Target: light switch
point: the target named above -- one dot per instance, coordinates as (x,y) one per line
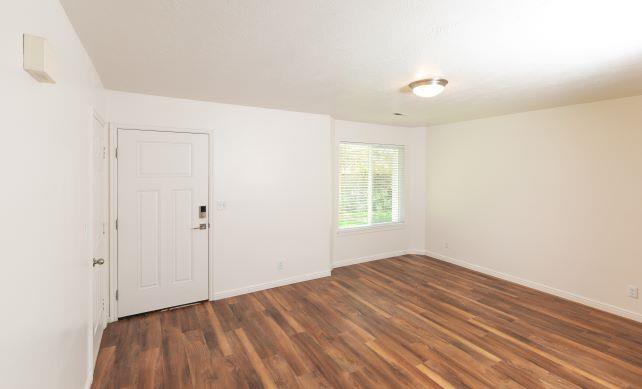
(221,205)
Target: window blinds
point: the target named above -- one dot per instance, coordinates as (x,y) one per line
(370,184)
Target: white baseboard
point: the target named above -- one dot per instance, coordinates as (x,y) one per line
(541,287)
(270,284)
(354,261)
(307,277)
(90,379)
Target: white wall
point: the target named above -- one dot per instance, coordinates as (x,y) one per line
(275,171)
(355,247)
(552,198)
(44,282)
(272,168)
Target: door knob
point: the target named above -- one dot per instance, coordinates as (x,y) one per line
(98,261)
(202,226)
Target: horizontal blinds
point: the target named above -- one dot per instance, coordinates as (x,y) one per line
(370,184)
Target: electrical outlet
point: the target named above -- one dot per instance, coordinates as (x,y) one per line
(280,264)
(633,291)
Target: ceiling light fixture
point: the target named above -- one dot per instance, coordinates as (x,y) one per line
(429,87)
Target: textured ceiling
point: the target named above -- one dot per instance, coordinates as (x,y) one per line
(352,58)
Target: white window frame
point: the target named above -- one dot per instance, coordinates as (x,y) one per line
(403,197)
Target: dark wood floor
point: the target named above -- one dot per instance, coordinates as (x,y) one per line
(410,321)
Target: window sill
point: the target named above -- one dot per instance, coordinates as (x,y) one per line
(369,229)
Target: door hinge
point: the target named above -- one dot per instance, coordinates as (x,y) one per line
(116,294)
(104,152)
(116,153)
(116,223)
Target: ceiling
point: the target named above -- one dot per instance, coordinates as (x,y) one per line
(353,58)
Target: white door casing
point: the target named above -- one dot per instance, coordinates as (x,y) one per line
(162,253)
(98,230)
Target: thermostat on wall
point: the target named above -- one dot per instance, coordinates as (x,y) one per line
(37,58)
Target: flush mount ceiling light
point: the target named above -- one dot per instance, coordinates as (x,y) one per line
(429,87)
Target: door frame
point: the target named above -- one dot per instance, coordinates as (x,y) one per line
(113,205)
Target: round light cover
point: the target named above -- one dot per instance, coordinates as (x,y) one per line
(429,87)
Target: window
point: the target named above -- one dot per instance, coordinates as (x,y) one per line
(370,184)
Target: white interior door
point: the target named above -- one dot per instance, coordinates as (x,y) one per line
(163,213)
(98,230)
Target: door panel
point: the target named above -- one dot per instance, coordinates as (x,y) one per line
(164,159)
(148,255)
(98,230)
(162,254)
(182,239)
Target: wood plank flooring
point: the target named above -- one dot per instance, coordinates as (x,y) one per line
(408,321)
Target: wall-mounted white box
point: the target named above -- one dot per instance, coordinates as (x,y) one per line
(37,58)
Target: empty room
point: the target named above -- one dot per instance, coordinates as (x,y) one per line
(321,194)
